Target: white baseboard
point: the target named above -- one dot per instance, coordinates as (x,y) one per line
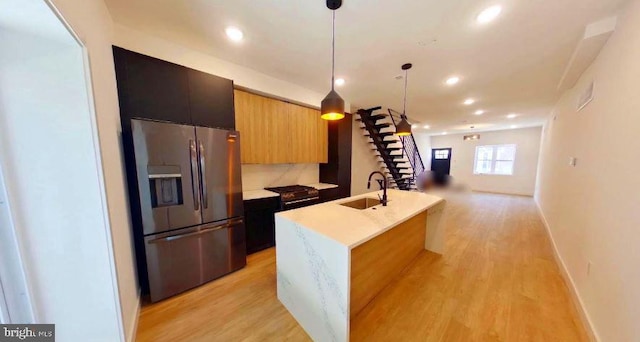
(577,301)
(132,329)
(502,193)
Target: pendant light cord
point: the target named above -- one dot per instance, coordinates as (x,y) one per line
(333,50)
(404,109)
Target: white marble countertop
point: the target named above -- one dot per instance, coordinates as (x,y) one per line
(257,194)
(352,227)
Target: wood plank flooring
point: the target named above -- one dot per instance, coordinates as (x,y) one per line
(497,281)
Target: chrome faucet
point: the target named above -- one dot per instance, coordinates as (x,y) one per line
(383,186)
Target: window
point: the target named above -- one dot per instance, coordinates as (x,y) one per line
(495,160)
(441,154)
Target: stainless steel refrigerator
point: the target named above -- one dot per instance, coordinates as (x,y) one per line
(191,204)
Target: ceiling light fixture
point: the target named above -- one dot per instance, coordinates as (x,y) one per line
(332,107)
(414,126)
(426,127)
(234,34)
(403,128)
(469,102)
(453,80)
(444,133)
(340,82)
(479,112)
(511,116)
(514,126)
(489,14)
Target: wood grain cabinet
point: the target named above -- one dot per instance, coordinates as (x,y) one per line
(277,132)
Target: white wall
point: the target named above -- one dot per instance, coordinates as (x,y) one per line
(523,180)
(592,208)
(55,186)
(423,141)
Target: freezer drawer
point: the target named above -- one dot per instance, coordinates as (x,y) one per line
(186,258)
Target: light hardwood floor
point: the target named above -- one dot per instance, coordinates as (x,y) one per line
(497,281)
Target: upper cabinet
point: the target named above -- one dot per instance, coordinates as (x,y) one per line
(278,132)
(211,100)
(151,88)
(261,132)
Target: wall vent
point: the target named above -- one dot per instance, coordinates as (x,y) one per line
(585,97)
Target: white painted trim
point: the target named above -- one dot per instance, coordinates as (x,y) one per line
(133,327)
(577,301)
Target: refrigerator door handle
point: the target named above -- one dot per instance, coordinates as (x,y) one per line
(198,232)
(194,172)
(203,176)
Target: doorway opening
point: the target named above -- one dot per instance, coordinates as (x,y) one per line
(441,165)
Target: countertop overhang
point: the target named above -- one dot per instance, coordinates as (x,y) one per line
(352,227)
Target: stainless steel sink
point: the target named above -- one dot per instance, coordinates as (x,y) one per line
(362,203)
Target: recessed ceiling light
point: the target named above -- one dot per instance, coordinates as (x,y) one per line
(234,33)
(489,14)
(514,126)
(511,116)
(414,126)
(426,127)
(453,80)
(444,133)
(468,102)
(479,112)
(340,82)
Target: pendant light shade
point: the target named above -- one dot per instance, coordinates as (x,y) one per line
(403,128)
(332,107)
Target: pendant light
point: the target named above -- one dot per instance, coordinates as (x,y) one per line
(332,107)
(403,128)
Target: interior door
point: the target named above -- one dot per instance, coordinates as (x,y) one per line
(167,171)
(441,164)
(219,160)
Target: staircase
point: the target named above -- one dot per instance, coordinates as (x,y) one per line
(398,156)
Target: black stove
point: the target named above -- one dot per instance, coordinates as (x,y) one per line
(296,196)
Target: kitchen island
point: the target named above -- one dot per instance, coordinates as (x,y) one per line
(334,258)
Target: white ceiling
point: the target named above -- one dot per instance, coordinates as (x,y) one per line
(510,65)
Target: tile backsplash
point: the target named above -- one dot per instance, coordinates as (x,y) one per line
(259,176)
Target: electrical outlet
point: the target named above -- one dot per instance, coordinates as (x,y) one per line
(573,161)
(588,268)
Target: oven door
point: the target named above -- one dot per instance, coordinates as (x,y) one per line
(288,205)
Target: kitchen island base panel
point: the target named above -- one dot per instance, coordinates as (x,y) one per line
(333,260)
(378,261)
(434,239)
(313,280)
